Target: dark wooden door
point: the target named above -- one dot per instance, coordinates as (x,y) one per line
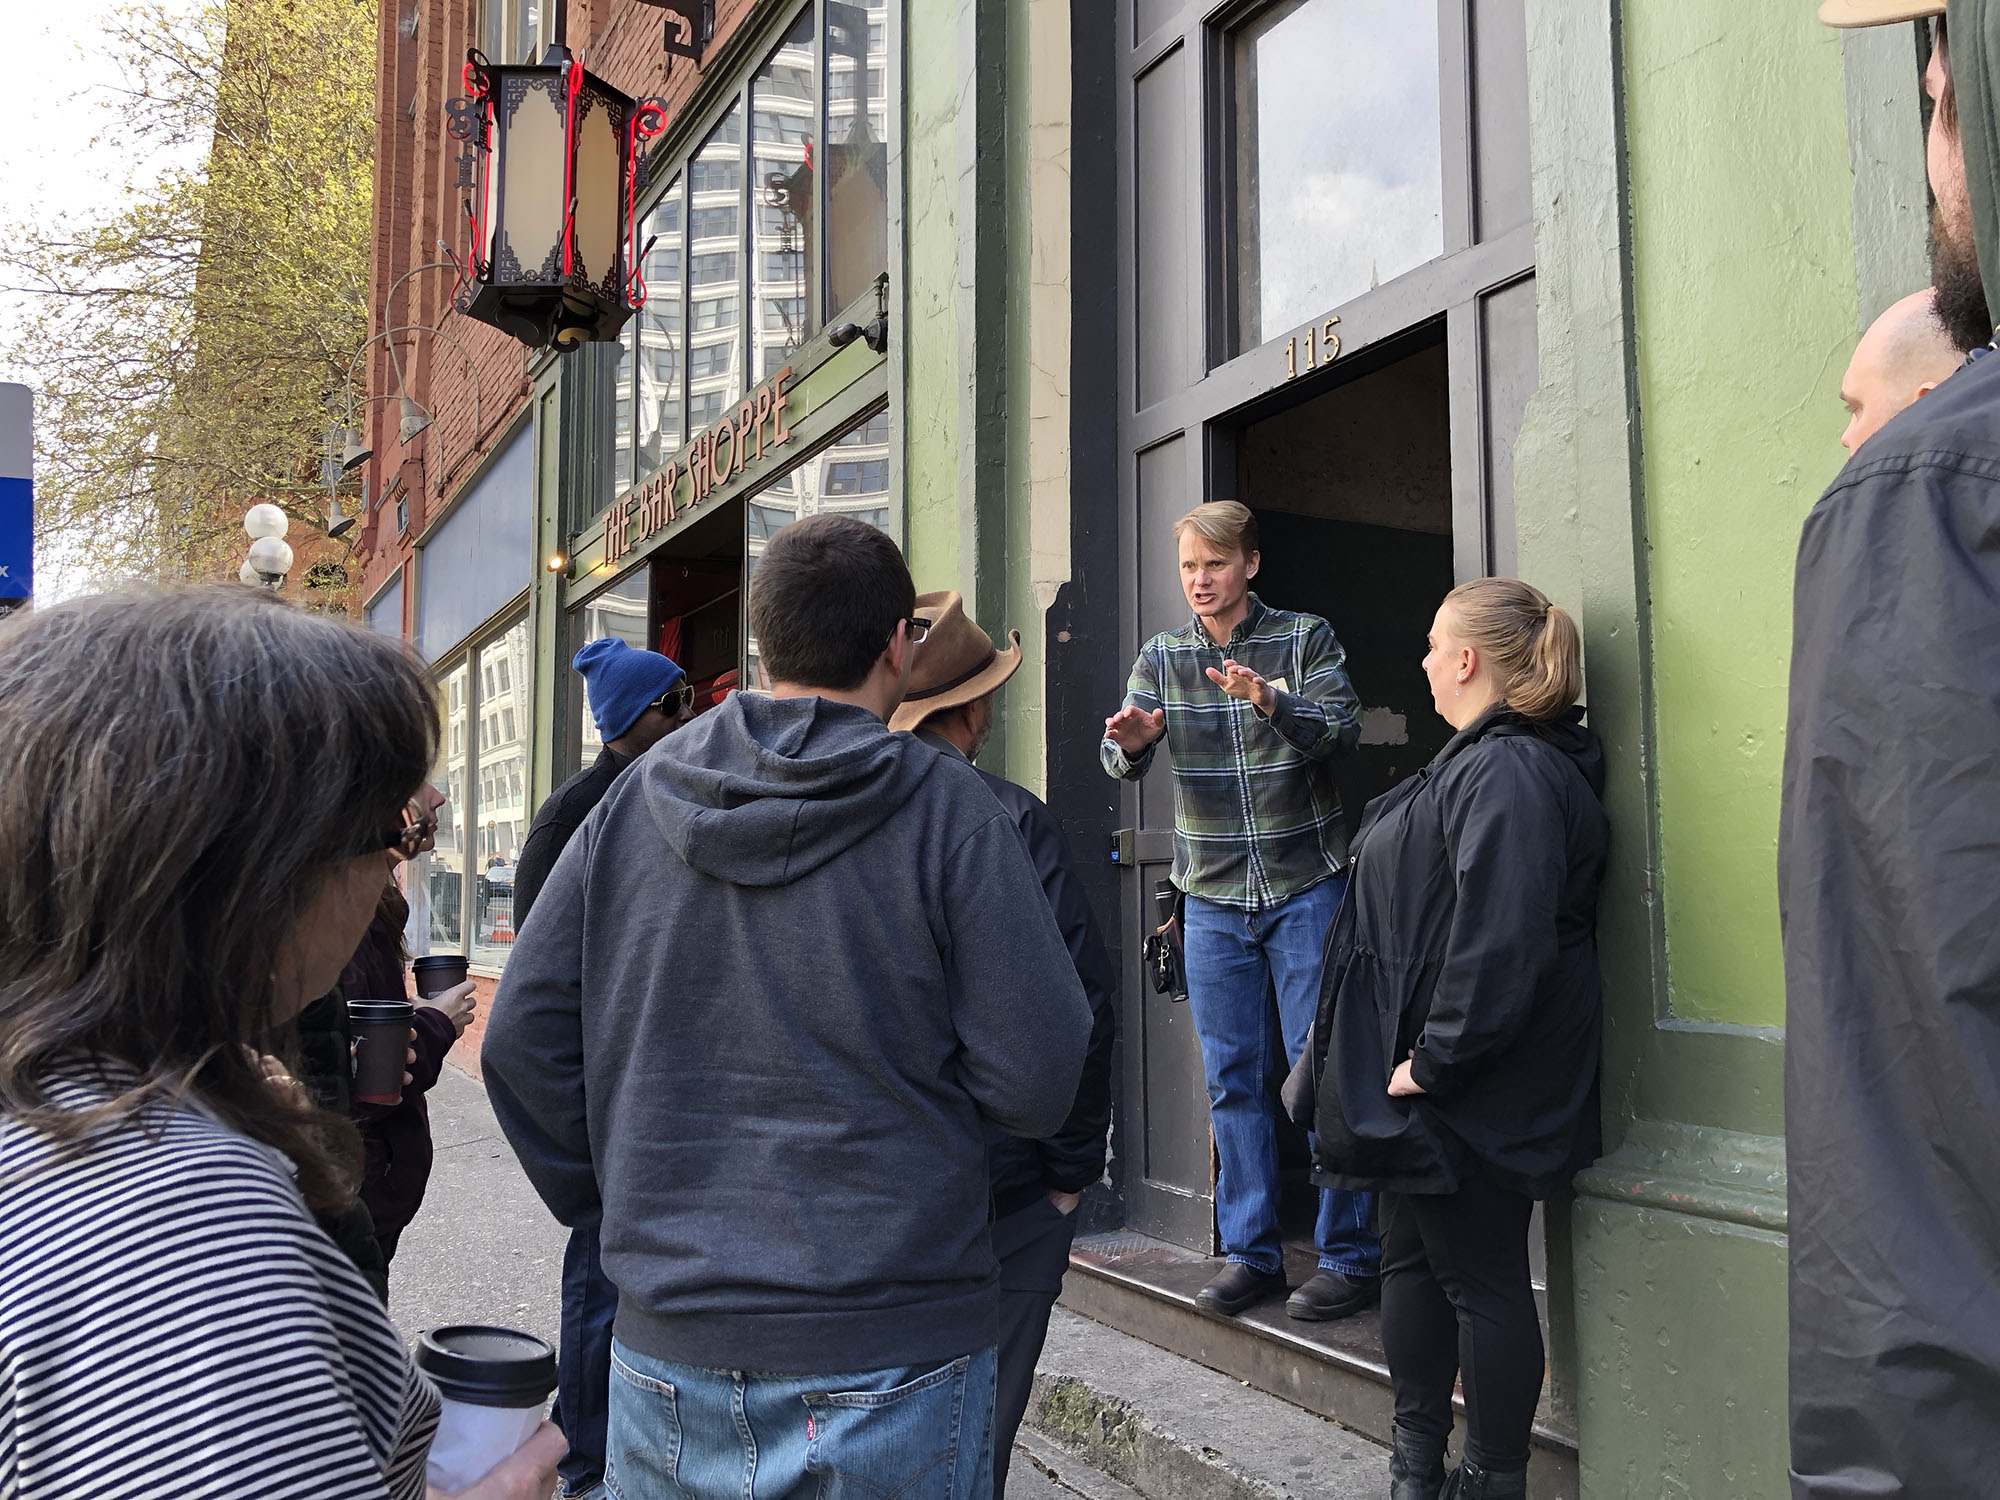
(1305,186)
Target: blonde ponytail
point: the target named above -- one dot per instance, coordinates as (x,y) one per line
(1534,646)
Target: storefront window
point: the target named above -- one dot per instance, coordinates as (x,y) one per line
(857,153)
(439,886)
(715,243)
(500,816)
(781,103)
(1337,189)
(850,476)
(756,242)
(462,892)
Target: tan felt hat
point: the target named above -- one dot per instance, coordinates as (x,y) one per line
(955,663)
(1877,12)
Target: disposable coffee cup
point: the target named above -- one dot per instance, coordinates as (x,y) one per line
(494,1382)
(437,972)
(381,1048)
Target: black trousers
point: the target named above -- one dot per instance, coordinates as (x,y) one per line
(1032,1246)
(1457,1300)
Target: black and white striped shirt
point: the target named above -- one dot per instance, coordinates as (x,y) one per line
(174,1324)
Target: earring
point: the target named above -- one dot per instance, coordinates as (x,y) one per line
(1456,691)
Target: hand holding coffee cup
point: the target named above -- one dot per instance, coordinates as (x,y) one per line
(381,1048)
(458,1004)
(494,1382)
(528,1474)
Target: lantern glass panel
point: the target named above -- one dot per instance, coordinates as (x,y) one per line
(857,152)
(782,105)
(600,199)
(715,310)
(528,245)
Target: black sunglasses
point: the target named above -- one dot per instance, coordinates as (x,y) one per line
(417,830)
(676,700)
(919,628)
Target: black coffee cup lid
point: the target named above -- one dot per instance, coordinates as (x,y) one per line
(367,1011)
(439,961)
(484,1366)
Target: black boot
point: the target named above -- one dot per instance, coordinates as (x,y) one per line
(1416,1465)
(1472,1481)
(1239,1288)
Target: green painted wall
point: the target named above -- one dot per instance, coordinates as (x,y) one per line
(932,100)
(1744,295)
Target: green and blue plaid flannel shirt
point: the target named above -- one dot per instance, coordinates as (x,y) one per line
(1256,815)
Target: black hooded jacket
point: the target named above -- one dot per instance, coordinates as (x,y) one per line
(1467,943)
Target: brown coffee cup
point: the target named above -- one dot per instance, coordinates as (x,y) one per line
(381,1030)
(437,972)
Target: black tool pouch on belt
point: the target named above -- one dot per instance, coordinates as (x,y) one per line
(1166,961)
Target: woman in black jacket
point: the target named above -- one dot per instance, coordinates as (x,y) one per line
(1459,1027)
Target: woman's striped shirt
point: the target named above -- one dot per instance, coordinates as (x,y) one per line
(174,1324)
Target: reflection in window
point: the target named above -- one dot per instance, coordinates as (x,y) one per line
(659,325)
(1338,189)
(710,361)
(499,824)
(620,611)
(848,477)
(715,181)
(765,520)
(782,106)
(434,882)
(857,152)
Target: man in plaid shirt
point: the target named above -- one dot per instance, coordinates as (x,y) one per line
(1254,705)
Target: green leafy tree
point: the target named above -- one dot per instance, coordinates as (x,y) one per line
(188,347)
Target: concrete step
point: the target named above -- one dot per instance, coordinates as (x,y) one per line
(1171,1429)
(1335,1371)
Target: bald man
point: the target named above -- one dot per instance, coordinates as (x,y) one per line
(1904,354)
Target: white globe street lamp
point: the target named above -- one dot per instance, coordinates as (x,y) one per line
(270,556)
(265,520)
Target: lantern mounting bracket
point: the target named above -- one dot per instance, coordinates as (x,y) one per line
(690,27)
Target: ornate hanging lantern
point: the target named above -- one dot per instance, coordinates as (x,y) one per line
(553,156)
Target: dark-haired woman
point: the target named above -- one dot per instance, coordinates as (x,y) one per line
(200,796)
(1459,1027)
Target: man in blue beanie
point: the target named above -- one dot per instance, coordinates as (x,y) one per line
(637,699)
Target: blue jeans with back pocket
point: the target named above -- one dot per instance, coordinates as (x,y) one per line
(681,1432)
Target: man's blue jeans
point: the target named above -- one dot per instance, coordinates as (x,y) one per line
(1236,960)
(583,1363)
(680,1432)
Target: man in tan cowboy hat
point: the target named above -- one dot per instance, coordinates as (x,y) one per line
(1036,1185)
(1886,864)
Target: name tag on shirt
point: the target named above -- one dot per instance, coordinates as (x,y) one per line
(1279,684)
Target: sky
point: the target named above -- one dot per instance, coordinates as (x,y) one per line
(1349,169)
(49,112)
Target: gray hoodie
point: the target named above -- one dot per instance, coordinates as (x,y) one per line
(753,1024)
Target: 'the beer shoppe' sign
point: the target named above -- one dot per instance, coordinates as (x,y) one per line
(708,463)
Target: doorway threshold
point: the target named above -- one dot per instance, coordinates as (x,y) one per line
(1146,1287)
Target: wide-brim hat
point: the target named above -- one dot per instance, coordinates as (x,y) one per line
(1877,12)
(956,663)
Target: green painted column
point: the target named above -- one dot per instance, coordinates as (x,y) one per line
(955,294)
(1697,298)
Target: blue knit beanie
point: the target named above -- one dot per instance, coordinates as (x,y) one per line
(622,681)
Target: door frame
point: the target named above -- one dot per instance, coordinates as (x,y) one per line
(1219,391)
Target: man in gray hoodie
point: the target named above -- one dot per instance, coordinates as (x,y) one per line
(754,1028)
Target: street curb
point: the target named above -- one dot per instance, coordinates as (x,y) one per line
(1113,1436)
(1066,1471)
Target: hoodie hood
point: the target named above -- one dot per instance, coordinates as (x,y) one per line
(762,791)
(1975,78)
(1567,734)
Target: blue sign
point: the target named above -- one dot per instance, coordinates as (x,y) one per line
(17,492)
